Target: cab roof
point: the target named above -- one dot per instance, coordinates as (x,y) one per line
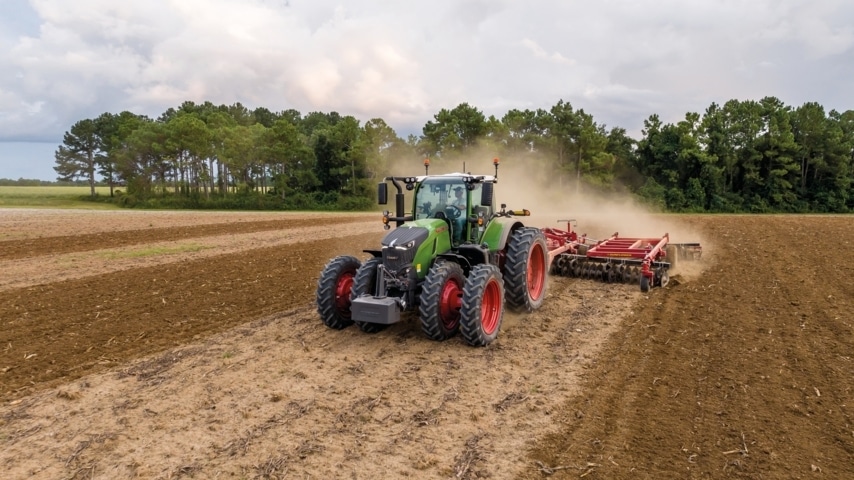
(464,177)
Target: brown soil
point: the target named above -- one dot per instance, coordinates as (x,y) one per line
(200,355)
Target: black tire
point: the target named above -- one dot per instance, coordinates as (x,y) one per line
(441,301)
(644,284)
(526,269)
(366,282)
(483,305)
(333,291)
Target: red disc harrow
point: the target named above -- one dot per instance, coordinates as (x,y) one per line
(645,261)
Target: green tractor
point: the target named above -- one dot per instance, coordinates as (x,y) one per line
(454,258)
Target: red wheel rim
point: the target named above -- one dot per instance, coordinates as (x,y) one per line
(490,307)
(342,293)
(450,303)
(536,272)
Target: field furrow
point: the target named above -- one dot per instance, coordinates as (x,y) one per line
(192,348)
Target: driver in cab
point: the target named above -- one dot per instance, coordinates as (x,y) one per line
(460,200)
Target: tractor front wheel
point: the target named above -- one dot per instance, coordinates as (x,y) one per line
(333,291)
(365,282)
(482,305)
(525,270)
(441,300)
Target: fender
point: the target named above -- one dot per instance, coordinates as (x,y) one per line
(499,230)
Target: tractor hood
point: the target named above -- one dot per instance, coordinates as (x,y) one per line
(405,237)
(415,244)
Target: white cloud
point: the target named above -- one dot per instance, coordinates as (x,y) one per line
(620,60)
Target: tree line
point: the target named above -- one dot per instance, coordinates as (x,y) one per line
(744,156)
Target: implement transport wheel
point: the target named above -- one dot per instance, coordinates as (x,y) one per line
(333,291)
(482,305)
(525,270)
(441,300)
(365,282)
(644,283)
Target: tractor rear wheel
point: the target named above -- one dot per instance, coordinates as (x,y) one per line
(525,270)
(365,282)
(482,305)
(333,291)
(441,300)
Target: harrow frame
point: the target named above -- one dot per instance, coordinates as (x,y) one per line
(645,260)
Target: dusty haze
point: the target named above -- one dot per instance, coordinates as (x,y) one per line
(551,195)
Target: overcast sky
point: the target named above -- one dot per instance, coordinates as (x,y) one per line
(621,61)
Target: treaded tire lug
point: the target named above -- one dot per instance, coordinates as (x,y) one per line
(525,270)
(440,315)
(333,291)
(482,305)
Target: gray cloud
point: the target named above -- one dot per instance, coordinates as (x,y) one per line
(403,61)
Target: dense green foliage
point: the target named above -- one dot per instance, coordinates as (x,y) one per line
(745,156)
(750,157)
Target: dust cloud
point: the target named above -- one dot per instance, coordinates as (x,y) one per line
(554,195)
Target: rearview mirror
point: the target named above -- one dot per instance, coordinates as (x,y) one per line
(382,193)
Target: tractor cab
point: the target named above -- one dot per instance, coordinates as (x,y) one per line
(459,200)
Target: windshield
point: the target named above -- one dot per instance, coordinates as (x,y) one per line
(436,194)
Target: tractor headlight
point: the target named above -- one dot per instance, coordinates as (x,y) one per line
(406,246)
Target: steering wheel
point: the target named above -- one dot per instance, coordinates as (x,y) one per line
(453,212)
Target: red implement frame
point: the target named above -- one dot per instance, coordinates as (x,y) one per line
(647,250)
(644,251)
(563,241)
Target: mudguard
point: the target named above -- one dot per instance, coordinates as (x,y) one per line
(498,231)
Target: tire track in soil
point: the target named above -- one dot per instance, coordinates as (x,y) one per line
(746,371)
(60,331)
(286,397)
(16,249)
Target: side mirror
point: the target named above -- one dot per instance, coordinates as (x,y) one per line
(486,195)
(382,193)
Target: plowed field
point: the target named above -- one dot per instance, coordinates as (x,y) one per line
(186,345)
